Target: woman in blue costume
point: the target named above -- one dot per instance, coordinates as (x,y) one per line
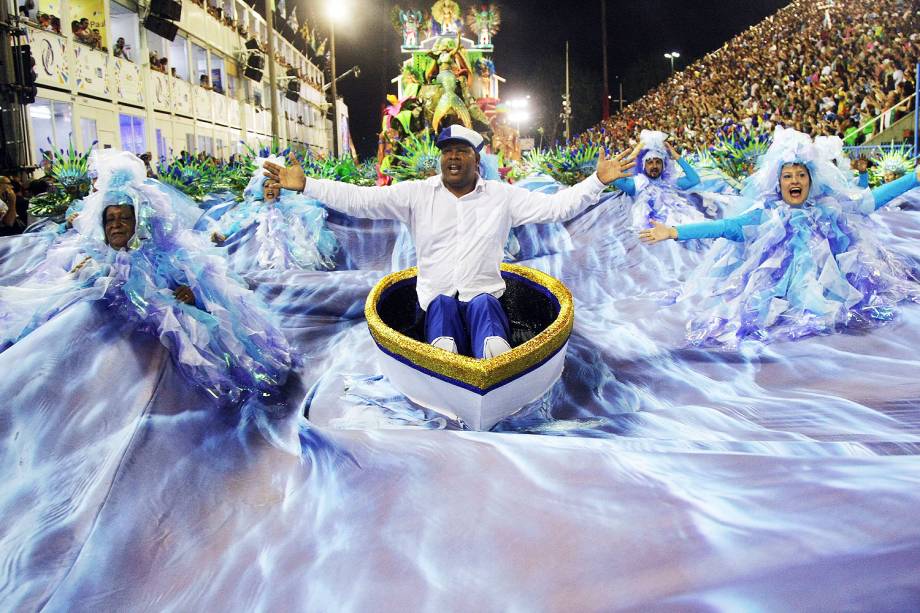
(129,253)
(275,229)
(804,259)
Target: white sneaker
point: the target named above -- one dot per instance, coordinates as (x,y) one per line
(446,343)
(494,346)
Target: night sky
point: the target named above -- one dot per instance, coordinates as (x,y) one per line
(530,52)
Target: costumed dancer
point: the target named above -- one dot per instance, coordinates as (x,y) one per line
(655,187)
(130,254)
(459,224)
(275,229)
(804,259)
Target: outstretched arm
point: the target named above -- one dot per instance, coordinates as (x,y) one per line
(535,207)
(861,165)
(730,228)
(626,184)
(888,192)
(392,202)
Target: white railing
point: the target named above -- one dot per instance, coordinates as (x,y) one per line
(884,119)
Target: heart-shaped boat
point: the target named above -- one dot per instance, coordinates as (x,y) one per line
(480,393)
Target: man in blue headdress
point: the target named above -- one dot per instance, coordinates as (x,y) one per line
(655,188)
(459,223)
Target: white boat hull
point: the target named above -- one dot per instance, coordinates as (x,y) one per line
(477,409)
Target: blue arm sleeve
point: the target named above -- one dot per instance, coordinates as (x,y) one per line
(888,192)
(690,177)
(863,180)
(730,227)
(627,185)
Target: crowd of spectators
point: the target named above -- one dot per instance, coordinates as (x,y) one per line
(160,64)
(83,33)
(49,23)
(819,68)
(217,12)
(14,197)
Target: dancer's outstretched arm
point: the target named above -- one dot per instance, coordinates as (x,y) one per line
(888,192)
(626,184)
(730,228)
(861,165)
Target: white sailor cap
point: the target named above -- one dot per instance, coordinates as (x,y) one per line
(457,132)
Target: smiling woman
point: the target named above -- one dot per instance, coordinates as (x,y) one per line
(794,184)
(800,260)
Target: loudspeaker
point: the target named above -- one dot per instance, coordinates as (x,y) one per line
(257,61)
(161,27)
(252,73)
(24,66)
(167,9)
(292,92)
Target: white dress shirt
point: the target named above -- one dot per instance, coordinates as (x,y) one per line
(459,241)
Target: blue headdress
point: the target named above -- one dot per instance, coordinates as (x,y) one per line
(831,148)
(653,147)
(793,147)
(122,180)
(419,158)
(70,181)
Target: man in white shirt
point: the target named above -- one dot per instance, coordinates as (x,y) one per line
(459,223)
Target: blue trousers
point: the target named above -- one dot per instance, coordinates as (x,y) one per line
(468,323)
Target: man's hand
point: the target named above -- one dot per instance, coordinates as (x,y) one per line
(610,169)
(658,232)
(290,177)
(861,164)
(184,294)
(674,155)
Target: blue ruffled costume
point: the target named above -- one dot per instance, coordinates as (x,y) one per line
(791,272)
(289,233)
(227,342)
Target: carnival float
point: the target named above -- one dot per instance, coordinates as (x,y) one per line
(448,77)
